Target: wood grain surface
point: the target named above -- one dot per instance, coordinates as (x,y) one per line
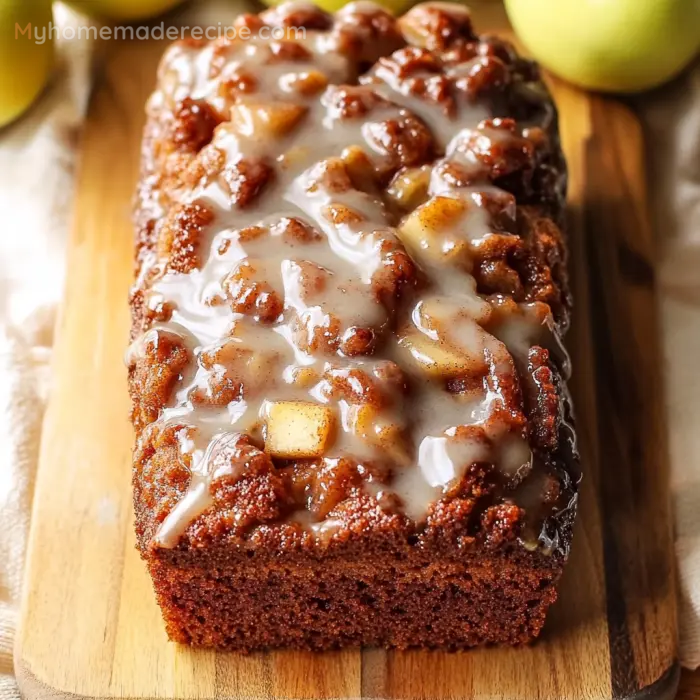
(90,627)
(689,687)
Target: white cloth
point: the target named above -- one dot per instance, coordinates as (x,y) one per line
(672,120)
(37,158)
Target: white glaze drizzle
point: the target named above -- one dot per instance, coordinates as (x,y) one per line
(349,254)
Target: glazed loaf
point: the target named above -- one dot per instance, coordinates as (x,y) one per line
(346,365)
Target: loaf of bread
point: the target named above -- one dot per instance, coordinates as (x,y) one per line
(346,363)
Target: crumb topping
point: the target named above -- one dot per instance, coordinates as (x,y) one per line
(351,286)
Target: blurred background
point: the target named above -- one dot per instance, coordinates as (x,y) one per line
(642,52)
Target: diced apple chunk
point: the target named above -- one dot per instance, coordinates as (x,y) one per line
(298,430)
(261,365)
(304,377)
(409,189)
(371,425)
(443,314)
(431,232)
(359,168)
(439,359)
(266,119)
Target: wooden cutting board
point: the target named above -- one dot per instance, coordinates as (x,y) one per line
(90,627)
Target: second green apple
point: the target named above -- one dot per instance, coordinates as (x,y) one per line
(25,63)
(396,7)
(122,10)
(612,45)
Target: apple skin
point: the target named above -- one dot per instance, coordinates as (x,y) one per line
(122,10)
(25,66)
(396,7)
(609,45)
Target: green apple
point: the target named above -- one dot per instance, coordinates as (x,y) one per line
(122,10)
(612,45)
(25,64)
(396,7)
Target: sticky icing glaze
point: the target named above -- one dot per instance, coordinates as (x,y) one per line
(350,269)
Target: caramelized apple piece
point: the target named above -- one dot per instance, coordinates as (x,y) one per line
(448,339)
(379,430)
(435,358)
(298,430)
(409,188)
(432,232)
(359,168)
(447,315)
(266,119)
(304,377)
